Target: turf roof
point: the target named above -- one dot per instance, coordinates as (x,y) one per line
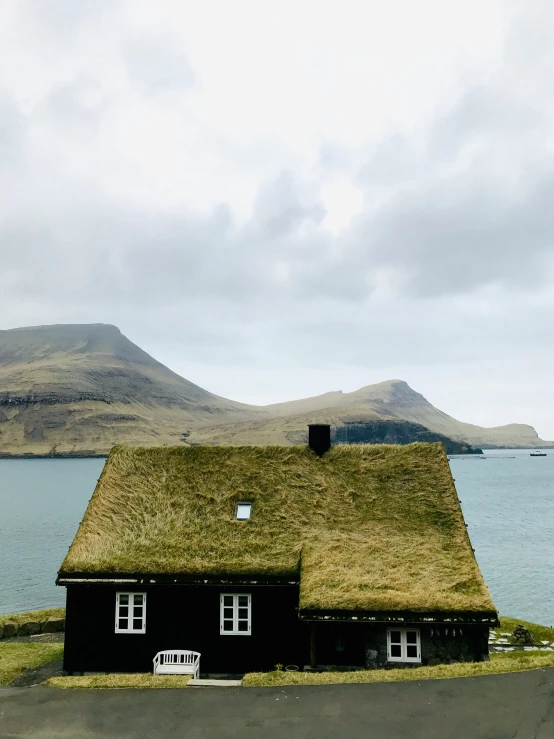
(368,527)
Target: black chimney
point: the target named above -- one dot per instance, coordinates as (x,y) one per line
(319,437)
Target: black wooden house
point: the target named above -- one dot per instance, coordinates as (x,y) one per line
(344,556)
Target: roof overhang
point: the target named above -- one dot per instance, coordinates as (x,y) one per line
(489,618)
(173,579)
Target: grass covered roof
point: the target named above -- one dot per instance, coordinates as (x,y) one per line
(369,527)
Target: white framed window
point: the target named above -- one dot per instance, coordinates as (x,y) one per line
(244,509)
(235,614)
(403,645)
(130,613)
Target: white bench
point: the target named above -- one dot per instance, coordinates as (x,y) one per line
(177,662)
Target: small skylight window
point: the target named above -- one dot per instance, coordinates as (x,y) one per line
(243,511)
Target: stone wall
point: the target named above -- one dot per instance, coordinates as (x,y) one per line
(51,625)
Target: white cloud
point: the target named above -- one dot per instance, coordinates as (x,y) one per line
(279,199)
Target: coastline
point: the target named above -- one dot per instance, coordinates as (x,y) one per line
(55,455)
(91,454)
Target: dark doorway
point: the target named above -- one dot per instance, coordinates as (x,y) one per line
(340,644)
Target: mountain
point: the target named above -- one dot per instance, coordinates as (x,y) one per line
(80,389)
(393,400)
(396,399)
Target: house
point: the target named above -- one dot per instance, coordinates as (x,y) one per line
(351,556)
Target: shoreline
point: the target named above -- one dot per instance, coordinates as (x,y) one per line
(90,454)
(56,455)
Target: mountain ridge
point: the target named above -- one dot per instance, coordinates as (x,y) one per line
(70,388)
(396,399)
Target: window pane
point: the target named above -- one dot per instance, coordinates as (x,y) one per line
(395,650)
(243,613)
(411,637)
(243,625)
(227,600)
(243,511)
(395,637)
(137,611)
(137,624)
(138,599)
(227,613)
(123,611)
(124,599)
(124,623)
(243,601)
(411,650)
(228,625)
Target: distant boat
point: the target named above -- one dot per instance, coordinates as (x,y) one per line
(538,454)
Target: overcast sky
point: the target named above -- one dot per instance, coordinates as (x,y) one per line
(277,199)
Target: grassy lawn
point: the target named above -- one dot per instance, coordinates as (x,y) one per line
(509,662)
(16,656)
(540,633)
(20,618)
(117,680)
(500,663)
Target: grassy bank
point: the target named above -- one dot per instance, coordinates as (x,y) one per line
(120,681)
(15,657)
(21,618)
(539,633)
(500,663)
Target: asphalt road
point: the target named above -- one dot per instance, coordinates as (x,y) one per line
(517,706)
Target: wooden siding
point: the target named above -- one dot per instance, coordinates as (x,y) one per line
(183,617)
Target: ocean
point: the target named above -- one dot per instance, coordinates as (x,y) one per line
(507,499)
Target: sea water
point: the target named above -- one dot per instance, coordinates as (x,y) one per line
(42,502)
(507,499)
(508,503)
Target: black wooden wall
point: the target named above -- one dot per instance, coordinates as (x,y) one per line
(187,617)
(183,617)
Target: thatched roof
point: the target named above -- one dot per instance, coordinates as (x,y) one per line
(364,527)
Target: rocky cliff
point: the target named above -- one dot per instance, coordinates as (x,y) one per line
(396,432)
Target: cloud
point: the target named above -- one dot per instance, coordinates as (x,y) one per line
(156,65)
(12,132)
(65,18)
(463,202)
(186,197)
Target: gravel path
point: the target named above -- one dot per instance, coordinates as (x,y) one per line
(37,675)
(36,638)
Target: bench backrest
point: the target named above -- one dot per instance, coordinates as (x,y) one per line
(178,657)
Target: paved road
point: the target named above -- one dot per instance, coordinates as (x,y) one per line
(518,706)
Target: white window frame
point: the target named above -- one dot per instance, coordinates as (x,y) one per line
(235,606)
(118,606)
(403,645)
(244,503)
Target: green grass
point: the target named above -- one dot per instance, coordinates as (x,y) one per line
(118,681)
(539,633)
(16,656)
(500,663)
(20,618)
